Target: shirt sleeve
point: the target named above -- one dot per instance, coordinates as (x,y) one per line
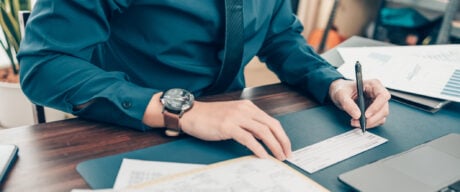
(56,68)
(288,55)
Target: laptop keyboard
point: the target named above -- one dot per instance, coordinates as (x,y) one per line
(454,187)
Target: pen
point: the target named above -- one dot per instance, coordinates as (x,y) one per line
(361,103)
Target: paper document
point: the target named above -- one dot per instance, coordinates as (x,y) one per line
(247,173)
(133,171)
(431,70)
(428,104)
(138,171)
(241,174)
(335,149)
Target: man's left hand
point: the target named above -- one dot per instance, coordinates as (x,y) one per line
(344,95)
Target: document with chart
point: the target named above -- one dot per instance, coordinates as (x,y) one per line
(430,70)
(241,174)
(247,173)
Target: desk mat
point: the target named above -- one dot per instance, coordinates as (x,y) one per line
(405,128)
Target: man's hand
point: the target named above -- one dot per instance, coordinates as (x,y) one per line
(239,120)
(344,94)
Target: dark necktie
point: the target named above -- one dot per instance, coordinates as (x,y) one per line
(234,45)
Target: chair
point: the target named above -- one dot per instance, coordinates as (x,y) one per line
(38,110)
(330,22)
(39,114)
(447,29)
(324,39)
(449,8)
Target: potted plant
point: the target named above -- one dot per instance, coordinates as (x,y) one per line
(15,108)
(9,23)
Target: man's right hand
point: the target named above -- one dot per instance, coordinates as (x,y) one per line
(239,120)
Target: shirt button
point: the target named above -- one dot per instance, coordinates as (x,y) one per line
(126,104)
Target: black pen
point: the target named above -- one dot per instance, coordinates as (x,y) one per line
(361,102)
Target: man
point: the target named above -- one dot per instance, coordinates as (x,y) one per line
(111,60)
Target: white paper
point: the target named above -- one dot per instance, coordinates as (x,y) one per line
(432,71)
(134,171)
(335,149)
(241,174)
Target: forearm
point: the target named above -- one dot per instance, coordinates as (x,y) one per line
(64,82)
(288,55)
(56,63)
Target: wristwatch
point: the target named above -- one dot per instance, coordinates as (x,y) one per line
(175,102)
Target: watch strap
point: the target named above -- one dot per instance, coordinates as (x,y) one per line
(172,121)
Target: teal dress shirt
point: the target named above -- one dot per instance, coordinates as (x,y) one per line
(118,53)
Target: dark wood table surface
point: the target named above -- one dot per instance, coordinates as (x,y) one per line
(50,152)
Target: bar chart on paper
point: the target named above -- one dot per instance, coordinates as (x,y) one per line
(452,87)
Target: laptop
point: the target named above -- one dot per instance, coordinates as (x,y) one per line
(432,166)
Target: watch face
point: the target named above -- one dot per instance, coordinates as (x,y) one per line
(177,99)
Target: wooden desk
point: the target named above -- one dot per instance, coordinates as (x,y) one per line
(49,152)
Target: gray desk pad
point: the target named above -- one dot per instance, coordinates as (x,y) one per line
(405,128)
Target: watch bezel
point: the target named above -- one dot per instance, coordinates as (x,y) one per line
(177,100)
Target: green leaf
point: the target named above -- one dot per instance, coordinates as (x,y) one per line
(9,11)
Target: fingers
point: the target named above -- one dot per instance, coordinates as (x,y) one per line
(264,133)
(239,120)
(379,96)
(349,106)
(372,124)
(276,130)
(378,109)
(282,138)
(377,117)
(343,93)
(269,130)
(247,139)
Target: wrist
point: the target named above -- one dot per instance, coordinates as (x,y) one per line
(175,102)
(336,85)
(153,116)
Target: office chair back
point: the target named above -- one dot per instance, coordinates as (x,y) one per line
(38,110)
(446,26)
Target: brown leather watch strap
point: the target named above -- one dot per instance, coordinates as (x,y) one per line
(172,121)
